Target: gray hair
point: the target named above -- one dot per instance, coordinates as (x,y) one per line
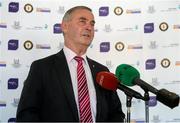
(68,14)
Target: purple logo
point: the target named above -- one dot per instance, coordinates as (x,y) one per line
(150,64)
(152,101)
(103,11)
(13,7)
(148,27)
(11,120)
(57,28)
(13,44)
(12,83)
(104,46)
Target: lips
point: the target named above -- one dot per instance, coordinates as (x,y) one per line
(86,34)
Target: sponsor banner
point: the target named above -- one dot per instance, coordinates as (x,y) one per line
(144,34)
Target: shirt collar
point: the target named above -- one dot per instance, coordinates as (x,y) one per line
(70,54)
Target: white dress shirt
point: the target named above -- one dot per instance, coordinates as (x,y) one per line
(72,64)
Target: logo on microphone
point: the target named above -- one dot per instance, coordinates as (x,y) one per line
(101,80)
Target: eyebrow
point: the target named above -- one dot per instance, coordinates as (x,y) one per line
(83,18)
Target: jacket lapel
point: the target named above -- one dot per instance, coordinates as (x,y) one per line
(65,81)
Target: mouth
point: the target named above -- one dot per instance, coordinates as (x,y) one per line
(86,35)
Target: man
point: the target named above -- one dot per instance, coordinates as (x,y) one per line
(51,90)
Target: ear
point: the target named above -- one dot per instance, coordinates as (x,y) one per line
(64,26)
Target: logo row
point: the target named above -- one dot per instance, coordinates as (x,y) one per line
(13,44)
(148,27)
(150,64)
(103,10)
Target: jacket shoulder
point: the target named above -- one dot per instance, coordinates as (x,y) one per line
(49,60)
(97,64)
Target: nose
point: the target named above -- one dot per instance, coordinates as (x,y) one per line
(89,26)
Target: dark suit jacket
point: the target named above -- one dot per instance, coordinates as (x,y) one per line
(48,95)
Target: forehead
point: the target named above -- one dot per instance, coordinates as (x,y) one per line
(82,13)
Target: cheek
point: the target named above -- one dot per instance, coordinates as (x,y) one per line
(92,34)
(75,35)
(73,31)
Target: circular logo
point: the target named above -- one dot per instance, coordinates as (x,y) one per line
(118,10)
(165,63)
(119,46)
(163,26)
(28,8)
(28,45)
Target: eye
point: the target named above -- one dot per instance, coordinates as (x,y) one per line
(83,22)
(92,23)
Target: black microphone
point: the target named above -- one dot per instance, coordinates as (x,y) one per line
(109,81)
(130,76)
(168,98)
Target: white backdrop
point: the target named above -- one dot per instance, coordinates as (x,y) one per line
(142,33)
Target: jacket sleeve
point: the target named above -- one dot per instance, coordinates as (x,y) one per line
(30,101)
(115,114)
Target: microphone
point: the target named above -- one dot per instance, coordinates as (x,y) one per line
(130,76)
(109,81)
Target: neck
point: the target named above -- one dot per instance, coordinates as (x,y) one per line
(78,50)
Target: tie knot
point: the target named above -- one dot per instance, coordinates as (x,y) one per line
(78,59)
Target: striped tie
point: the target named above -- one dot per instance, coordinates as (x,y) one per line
(83,94)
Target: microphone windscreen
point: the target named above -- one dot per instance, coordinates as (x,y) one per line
(168,98)
(107,80)
(127,74)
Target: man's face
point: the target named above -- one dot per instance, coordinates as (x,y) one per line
(79,30)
